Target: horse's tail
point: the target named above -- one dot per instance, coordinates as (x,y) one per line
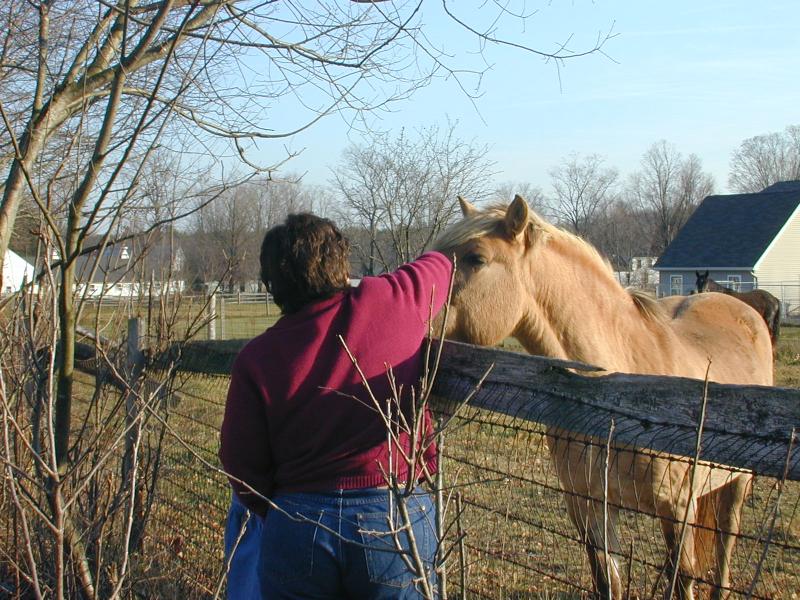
(775,327)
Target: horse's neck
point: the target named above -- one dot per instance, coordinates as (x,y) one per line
(578,310)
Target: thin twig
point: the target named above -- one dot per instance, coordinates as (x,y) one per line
(606,464)
(689,504)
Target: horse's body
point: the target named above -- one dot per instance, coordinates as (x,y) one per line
(520,276)
(764,303)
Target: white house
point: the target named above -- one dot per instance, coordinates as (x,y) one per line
(16,270)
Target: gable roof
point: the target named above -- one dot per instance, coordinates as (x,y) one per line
(732,231)
(129,260)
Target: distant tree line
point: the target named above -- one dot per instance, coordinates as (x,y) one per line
(393,194)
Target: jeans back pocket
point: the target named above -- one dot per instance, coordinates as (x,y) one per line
(287,546)
(381,539)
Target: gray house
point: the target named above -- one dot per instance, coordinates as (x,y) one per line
(745,241)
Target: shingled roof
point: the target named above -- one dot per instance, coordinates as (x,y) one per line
(732,231)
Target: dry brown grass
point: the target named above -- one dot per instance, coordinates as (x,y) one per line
(520,542)
(787,359)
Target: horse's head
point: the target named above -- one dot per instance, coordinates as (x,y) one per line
(488,290)
(701,283)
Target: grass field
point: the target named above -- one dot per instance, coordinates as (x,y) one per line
(520,543)
(787,363)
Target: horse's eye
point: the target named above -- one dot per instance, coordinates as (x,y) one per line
(474,260)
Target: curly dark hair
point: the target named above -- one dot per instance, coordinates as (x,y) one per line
(304,259)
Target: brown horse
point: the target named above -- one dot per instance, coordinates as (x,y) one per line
(520,276)
(764,303)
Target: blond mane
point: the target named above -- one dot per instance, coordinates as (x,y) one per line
(648,305)
(486,221)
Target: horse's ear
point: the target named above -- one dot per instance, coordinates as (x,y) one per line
(706,275)
(697,273)
(516,219)
(467,208)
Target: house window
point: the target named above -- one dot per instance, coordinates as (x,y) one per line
(735,282)
(124,254)
(676,285)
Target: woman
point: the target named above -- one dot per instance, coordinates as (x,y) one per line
(301,429)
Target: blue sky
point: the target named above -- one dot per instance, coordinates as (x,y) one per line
(703,75)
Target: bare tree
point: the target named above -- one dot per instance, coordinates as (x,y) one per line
(223,238)
(166,184)
(533,195)
(61,456)
(621,233)
(667,189)
(402,190)
(94,95)
(582,190)
(762,160)
(278,198)
(107,69)
(219,239)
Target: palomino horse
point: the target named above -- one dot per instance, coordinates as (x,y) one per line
(520,276)
(765,304)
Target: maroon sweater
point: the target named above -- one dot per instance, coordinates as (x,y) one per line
(298,417)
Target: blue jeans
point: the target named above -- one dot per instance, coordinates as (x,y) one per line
(340,549)
(241,559)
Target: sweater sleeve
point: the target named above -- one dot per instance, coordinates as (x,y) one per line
(426,281)
(244,447)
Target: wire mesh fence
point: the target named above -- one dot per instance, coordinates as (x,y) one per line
(520,540)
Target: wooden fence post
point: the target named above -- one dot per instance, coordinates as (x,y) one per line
(221,317)
(134,365)
(784,312)
(134,360)
(212,316)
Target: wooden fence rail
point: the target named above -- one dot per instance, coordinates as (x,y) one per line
(750,427)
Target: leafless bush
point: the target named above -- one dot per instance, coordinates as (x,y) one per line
(79,498)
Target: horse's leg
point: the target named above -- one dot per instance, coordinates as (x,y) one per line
(603,536)
(587,516)
(726,502)
(575,462)
(673,514)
